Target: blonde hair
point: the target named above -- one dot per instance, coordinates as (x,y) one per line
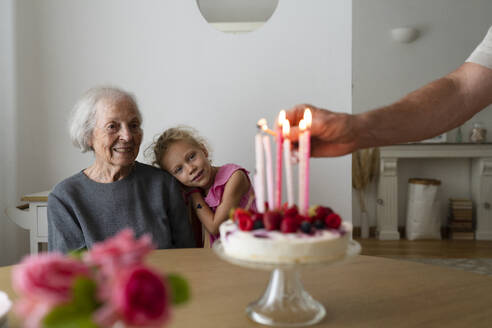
(159,147)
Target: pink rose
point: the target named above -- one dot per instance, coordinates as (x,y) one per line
(119,252)
(47,276)
(42,282)
(32,311)
(140,296)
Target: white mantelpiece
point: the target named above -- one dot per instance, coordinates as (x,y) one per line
(33,217)
(480,175)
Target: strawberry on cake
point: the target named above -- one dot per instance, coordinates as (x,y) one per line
(285,236)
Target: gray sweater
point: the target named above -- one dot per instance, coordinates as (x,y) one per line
(149,200)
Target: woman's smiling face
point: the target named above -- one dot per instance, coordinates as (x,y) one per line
(189,164)
(117,134)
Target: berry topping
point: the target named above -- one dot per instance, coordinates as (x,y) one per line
(291,212)
(300,218)
(272,220)
(333,221)
(289,225)
(245,223)
(312,210)
(322,212)
(258,224)
(239,213)
(306,227)
(257,217)
(319,224)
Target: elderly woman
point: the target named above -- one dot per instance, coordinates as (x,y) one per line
(116,191)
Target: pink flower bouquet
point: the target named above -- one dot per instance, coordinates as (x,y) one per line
(102,287)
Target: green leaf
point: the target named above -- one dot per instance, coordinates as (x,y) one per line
(77,253)
(76,321)
(180,289)
(77,313)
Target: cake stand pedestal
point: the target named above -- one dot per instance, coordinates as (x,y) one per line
(285,302)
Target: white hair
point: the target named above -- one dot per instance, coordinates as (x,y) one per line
(83,115)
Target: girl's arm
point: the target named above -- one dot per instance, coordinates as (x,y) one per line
(235,188)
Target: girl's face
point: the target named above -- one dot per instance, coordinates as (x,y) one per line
(189,164)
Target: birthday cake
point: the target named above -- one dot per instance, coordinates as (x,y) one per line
(285,236)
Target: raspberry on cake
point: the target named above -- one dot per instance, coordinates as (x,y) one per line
(285,236)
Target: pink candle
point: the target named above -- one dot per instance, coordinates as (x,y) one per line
(269,169)
(288,164)
(279,139)
(302,164)
(307,149)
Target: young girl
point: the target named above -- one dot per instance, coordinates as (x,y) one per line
(213,190)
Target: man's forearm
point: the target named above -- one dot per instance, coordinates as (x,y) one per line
(429,111)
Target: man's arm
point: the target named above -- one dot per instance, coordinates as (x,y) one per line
(429,111)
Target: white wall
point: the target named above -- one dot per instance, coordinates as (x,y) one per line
(13,240)
(384,71)
(182,71)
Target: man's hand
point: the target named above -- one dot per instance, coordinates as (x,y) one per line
(332,134)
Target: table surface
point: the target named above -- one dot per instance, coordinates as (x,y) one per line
(364,292)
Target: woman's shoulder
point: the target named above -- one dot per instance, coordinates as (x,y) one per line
(146,170)
(153,177)
(79,181)
(68,183)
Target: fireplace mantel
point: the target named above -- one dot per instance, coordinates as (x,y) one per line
(480,176)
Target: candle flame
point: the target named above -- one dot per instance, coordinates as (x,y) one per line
(286,128)
(308,117)
(302,125)
(281,117)
(262,123)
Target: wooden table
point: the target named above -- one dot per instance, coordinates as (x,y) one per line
(365,292)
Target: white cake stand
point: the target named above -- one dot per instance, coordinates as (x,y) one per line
(285,302)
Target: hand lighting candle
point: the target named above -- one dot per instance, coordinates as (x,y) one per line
(288,164)
(279,139)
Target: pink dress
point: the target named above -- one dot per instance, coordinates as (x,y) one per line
(214,196)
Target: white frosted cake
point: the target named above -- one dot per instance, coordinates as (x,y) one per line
(285,237)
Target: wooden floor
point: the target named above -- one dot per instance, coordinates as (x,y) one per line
(426,248)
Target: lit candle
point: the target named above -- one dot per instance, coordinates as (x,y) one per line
(260,174)
(288,164)
(279,139)
(262,124)
(302,164)
(269,169)
(307,148)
